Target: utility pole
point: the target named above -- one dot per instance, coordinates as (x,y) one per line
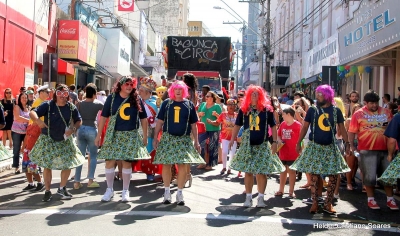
(267,48)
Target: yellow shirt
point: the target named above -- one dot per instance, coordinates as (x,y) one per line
(35,104)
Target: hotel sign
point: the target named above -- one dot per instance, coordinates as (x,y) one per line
(373,27)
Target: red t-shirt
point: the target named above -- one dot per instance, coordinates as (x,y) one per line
(370,127)
(227,123)
(289,134)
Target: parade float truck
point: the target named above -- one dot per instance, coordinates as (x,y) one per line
(208,58)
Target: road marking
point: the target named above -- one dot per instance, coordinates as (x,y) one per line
(168,214)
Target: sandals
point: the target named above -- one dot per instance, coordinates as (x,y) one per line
(329,209)
(314,208)
(306,186)
(278,194)
(202,166)
(208,168)
(292,196)
(94,185)
(349,187)
(78,186)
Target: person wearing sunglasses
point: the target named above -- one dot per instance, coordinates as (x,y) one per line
(147,86)
(208,112)
(256,156)
(55,148)
(177,118)
(126,112)
(8,103)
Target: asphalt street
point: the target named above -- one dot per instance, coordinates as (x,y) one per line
(213,203)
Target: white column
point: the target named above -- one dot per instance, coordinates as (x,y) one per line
(364,83)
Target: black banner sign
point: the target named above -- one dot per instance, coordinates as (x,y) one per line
(199,53)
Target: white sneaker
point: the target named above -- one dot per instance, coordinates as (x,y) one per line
(179,199)
(167,198)
(125,196)
(260,202)
(108,195)
(248,202)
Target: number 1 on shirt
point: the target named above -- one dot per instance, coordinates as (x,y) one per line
(176,114)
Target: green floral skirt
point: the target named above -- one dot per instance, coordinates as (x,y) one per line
(321,159)
(125,146)
(177,150)
(256,159)
(4,153)
(392,173)
(63,155)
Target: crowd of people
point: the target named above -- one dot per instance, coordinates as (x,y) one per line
(138,128)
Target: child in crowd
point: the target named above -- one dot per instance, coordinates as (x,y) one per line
(288,134)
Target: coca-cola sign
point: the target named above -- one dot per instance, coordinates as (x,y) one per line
(68,31)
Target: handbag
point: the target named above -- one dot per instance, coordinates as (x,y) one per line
(201,127)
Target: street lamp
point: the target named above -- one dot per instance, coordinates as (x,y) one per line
(221,8)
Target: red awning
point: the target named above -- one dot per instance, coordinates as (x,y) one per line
(199,73)
(65,68)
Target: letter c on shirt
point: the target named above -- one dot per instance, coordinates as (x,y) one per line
(122,111)
(321,122)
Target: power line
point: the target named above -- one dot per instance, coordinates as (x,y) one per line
(314,11)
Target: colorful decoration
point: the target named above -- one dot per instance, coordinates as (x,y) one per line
(354,69)
(368,69)
(341,68)
(347,67)
(361,69)
(303,81)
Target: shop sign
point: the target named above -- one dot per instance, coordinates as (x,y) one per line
(324,54)
(372,28)
(117,52)
(126,5)
(75,42)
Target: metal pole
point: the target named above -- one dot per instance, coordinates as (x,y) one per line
(260,53)
(268,48)
(237,71)
(329,78)
(244,47)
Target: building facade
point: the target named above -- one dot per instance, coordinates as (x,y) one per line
(169,17)
(304,42)
(198,28)
(351,45)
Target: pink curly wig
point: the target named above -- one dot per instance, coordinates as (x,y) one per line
(178,85)
(263,101)
(327,92)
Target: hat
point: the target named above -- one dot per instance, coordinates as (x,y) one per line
(220,95)
(285,99)
(29,92)
(231,102)
(148,83)
(43,88)
(22,89)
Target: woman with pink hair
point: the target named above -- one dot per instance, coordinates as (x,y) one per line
(177,118)
(256,155)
